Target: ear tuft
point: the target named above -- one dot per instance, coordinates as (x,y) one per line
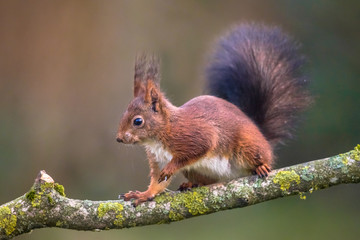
(146,69)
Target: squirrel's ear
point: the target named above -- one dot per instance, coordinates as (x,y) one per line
(152,95)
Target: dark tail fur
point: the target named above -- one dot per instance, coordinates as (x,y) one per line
(258,69)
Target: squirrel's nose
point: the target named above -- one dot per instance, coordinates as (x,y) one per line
(119,140)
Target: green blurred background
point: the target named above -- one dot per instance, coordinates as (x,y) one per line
(66,72)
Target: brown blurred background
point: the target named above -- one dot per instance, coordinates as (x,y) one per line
(66,72)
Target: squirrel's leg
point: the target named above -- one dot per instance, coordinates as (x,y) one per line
(257,157)
(154,188)
(254,152)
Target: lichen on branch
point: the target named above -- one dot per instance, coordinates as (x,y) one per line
(46,205)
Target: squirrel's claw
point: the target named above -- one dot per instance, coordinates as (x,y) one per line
(139,197)
(186,186)
(130,195)
(143,197)
(263,170)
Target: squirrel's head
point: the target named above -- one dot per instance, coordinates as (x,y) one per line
(147,114)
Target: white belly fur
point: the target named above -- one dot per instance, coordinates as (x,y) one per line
(162,156)
(217,167)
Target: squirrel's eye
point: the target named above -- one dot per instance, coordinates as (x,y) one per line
(138,121)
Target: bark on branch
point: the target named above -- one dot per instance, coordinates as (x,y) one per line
(45,205)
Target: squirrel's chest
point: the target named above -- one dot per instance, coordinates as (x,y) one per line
(216,167)
(162,156)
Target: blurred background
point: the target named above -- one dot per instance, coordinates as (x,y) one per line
(66,71)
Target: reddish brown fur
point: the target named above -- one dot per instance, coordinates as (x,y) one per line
(208,125)
(204,126)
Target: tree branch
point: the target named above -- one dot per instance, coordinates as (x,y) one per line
(46,205)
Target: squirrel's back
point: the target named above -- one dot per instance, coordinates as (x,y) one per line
(258,69)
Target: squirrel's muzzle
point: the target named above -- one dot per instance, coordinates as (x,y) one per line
(126,138)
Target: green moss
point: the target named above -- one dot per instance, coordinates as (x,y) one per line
(117,208)
(345,160)
(30,195)
(162,198)
(357,148)
(192,200)
(46,186)
(33,197)
(7,220)
(44,190)
(174,216)
(195,204)
(22,213)
(355,154)
(340,160)
(314,187)
(60,189)
(50,200)
(162,222)
(285,178)
(59,223)
(302,195)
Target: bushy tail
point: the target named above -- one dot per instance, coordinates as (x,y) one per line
(258,69)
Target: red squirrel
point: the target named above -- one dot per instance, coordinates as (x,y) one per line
(256,89)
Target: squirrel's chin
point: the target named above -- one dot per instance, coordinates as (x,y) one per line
(137,141)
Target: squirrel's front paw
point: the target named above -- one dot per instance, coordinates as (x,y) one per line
(139,197)
(130,195)
(143,198)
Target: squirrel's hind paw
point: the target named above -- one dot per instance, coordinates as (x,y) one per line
(186,186)
(263,170)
